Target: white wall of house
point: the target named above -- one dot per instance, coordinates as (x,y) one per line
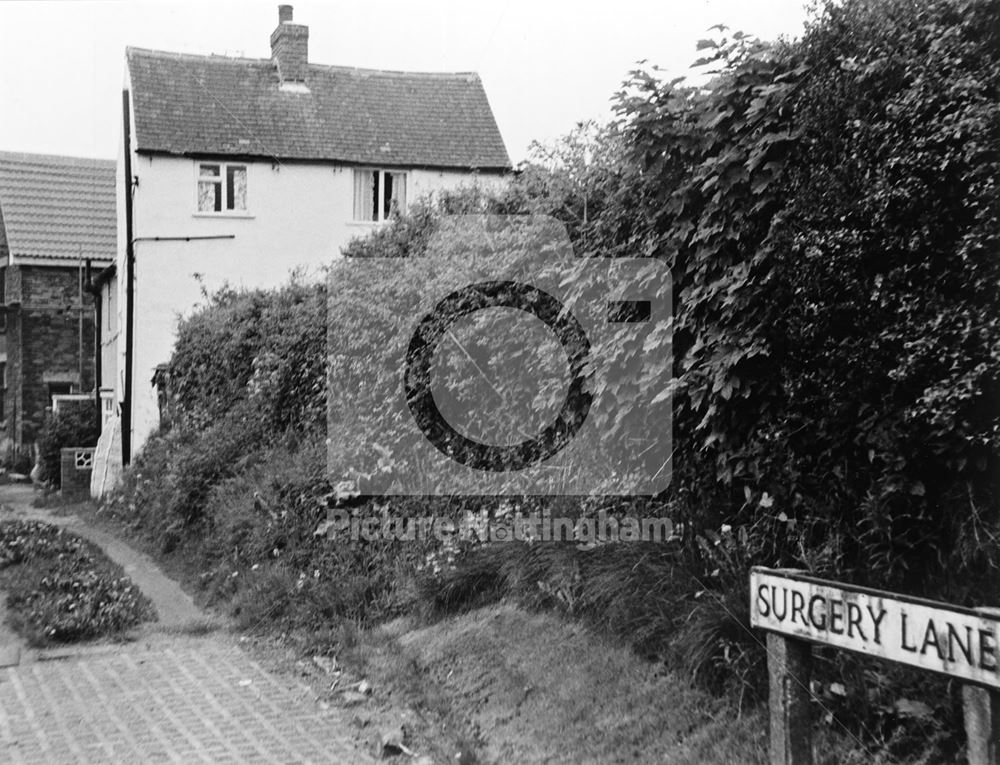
(298,217)
(108,333)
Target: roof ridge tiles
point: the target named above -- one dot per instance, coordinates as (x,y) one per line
(363,71)
(49,159)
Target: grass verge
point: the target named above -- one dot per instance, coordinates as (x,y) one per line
(537,687)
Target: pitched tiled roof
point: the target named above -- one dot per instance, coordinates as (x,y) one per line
(58,208)
(187,104)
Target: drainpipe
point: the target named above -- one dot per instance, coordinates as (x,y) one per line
(129,287)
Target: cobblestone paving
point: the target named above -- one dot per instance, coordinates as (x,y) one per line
(174,699)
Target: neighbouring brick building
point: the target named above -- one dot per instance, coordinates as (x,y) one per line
(55,214)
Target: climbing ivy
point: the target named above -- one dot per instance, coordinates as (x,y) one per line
(829,211)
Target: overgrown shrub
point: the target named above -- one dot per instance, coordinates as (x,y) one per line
(268,347)
(76,425)
(829,212)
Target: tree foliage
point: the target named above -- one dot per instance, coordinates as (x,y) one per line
(829,210)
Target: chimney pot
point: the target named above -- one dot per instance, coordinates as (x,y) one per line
(284,14)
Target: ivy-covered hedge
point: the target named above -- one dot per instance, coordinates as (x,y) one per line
(248,372)
(829,210)
(267,348)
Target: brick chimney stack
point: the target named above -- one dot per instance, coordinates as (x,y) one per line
(290,47)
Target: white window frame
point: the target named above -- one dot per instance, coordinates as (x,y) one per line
(58,399)
(223,175)
(107,406)
(382,172)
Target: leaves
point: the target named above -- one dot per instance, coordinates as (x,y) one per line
(815,209)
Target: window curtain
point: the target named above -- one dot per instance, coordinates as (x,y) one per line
(237,183)
(365,193)
(398,202)
(208,196)
(209,189)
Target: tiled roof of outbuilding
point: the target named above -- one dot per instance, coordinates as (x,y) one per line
(187,104)
(58,208)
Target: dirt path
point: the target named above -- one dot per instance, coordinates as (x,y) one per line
(181,691)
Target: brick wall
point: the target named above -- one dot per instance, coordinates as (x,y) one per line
(76,465)
(290,49)
(43,344)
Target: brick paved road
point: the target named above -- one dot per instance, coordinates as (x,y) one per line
(169,698)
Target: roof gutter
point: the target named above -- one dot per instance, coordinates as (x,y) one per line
(95,282)
(250,157)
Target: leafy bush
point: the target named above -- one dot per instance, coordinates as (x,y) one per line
(26,540)
(268,348)
(829,213)
(76,425)
(247,372)
(61,588)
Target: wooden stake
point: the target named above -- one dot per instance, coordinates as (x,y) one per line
(982,718)
(789,663)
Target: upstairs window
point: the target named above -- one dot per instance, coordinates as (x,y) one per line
(222,187)
(378,194)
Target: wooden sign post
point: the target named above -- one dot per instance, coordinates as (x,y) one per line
(798,610)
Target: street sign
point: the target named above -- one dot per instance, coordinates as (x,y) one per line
(798,610)
(935,636)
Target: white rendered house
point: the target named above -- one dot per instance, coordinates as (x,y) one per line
(238,171)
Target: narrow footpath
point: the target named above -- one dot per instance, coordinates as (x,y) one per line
(183,691)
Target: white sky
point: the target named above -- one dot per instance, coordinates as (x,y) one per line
(545,64)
